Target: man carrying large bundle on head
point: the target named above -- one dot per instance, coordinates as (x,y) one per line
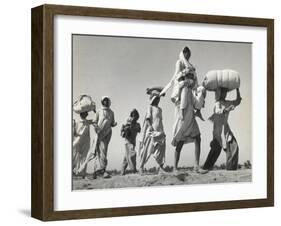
(222,81)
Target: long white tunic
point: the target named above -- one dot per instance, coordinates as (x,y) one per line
(81,144)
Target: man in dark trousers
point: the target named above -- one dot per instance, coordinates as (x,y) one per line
(223,137)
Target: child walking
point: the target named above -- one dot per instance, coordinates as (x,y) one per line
(223,137)
(153,141)
(105,121)
(129,132)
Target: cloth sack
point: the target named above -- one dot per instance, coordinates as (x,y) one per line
(84,104)
(226,78)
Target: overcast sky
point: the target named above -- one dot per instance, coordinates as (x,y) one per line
(123,68)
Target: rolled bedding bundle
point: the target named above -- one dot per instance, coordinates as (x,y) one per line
(84,104)
(226,78)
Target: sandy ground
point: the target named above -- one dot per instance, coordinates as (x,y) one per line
(184,177)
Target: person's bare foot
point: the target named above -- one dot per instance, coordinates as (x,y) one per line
(141,171)
(161,170)
(106,175)
(199,170)
(176,171)
(87,178)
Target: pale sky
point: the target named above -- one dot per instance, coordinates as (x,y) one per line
(122,68)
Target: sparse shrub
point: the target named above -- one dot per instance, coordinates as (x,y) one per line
(169,168)
(247,164)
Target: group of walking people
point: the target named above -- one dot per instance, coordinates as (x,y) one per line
(91,137)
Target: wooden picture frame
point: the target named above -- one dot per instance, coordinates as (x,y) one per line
(42,203)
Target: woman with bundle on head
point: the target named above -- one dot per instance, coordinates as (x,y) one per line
(81,134)
(153,141)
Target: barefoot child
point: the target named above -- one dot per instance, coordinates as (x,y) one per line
(223,137)
(129,132)
(105,121)
(153,141)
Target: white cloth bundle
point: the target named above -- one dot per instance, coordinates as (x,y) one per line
(226,78)
(84,104)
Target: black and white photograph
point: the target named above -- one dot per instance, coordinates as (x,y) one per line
(140,112)
(160,112)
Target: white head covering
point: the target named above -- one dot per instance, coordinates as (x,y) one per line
(183,60)
(188,65)
(105,97)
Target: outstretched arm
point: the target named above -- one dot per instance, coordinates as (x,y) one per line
(168,86)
